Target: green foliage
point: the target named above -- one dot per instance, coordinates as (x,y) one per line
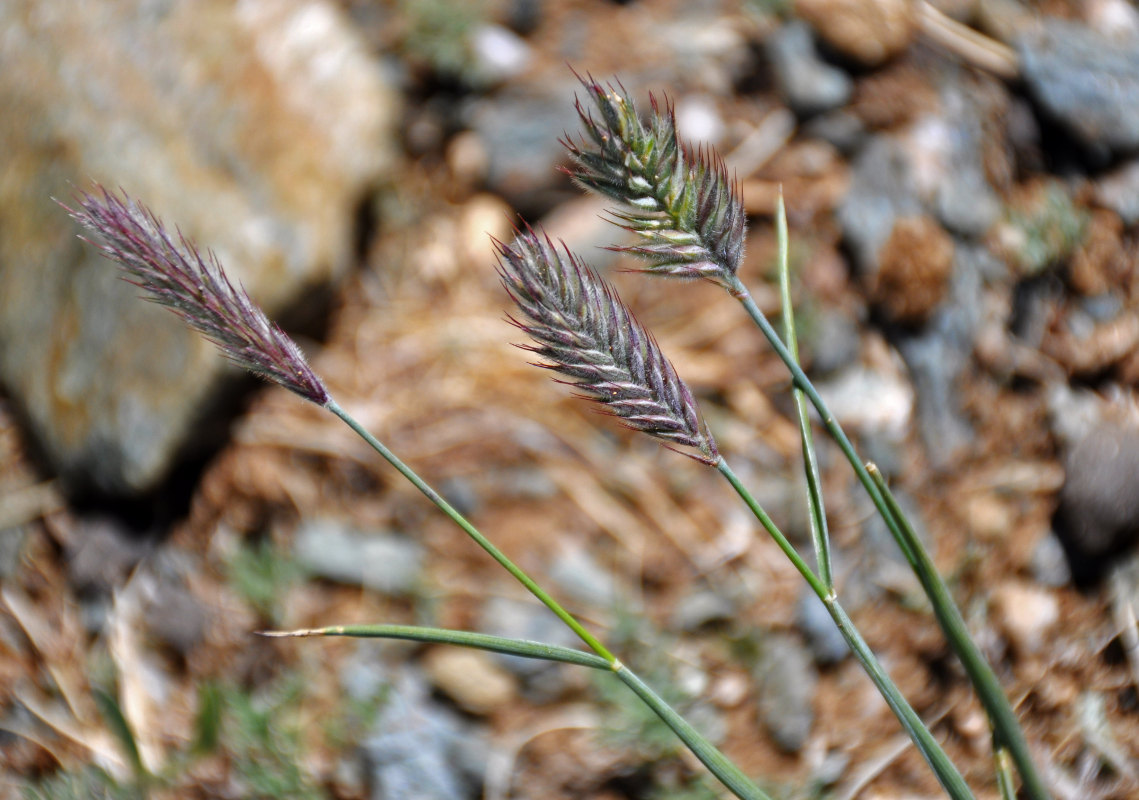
(261,574)
(438,33)
(89,783)
(1047,232)
(262,735)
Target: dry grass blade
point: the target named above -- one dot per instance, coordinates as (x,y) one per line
(584,332)
(173,273)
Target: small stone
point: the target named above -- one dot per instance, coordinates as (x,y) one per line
(471,678)
(175,617)
(823,636)
(1119,191)
(868,31)
(786,679)
(581,577)
(832,342)
(418,748)
(542,681)
(498,53)
(384,562)
(701,609)
(1098,515)
(102,555)
(1087,81)
(1048,564)
(915,263)
(808,83)
(1026,614)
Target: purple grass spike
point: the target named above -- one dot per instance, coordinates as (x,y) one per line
(172,272)
(583,331)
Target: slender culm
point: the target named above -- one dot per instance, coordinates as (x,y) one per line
(583,331)
(172,272)
(679,201)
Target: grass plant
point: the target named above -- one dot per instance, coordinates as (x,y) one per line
(688,221)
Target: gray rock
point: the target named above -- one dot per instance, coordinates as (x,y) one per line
(420,749)
(786,679)
(1085,80)
(702,608)
(1119,191)
(1048,564)
(809,84)
(175,617)
(841,129)
(519,132)
(823,636)
(255,128)
(385,562)
(542,681)
(11,550)
(579,575)
(882,188)
(833,341)
(498,54)
(102,556)
(1098,515)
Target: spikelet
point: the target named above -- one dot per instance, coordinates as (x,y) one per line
(584,332)
(680,202)
(172,273)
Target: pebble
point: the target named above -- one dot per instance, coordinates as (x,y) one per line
(1026,614)
(471,678)
(582,578)
(102,555)
(785,677)
(541,681)
(701,609)
(823,636)
(1048,564)
(1098,515)
(1087,81)
(1119,191)
(498,55)
(808,84)
(420,748)
(832,342)
(385,562)
(867,31)
(11,550)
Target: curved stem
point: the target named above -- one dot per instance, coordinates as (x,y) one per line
(933,753)
(473,532)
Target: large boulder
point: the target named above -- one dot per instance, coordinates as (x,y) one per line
(256,128)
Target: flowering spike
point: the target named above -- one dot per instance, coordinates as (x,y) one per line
(172,273)
(584,332)
(668,191)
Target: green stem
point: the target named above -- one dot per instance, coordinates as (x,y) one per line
(820,537)
(943,768)
(719,765)
(473,532)
(522,648)
(1007,731)
(984,681)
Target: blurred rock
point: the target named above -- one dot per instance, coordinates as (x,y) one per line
(102,555)
(420,749)
(868,31)
(1098,515)
(255,128)
(519,132)
(700,609)
(1048,564)
(543,681)
(1119,191)
(832,342)
(471,678)
(841,129)
(823,636)
(786,678)
(809,84)
(579,575)
(1025,613)
(11,550)
(385,562)
(498,55)
(1087,81)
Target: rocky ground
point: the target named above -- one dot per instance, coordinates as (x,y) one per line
(963,192)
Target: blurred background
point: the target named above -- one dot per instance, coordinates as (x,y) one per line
(962,180)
